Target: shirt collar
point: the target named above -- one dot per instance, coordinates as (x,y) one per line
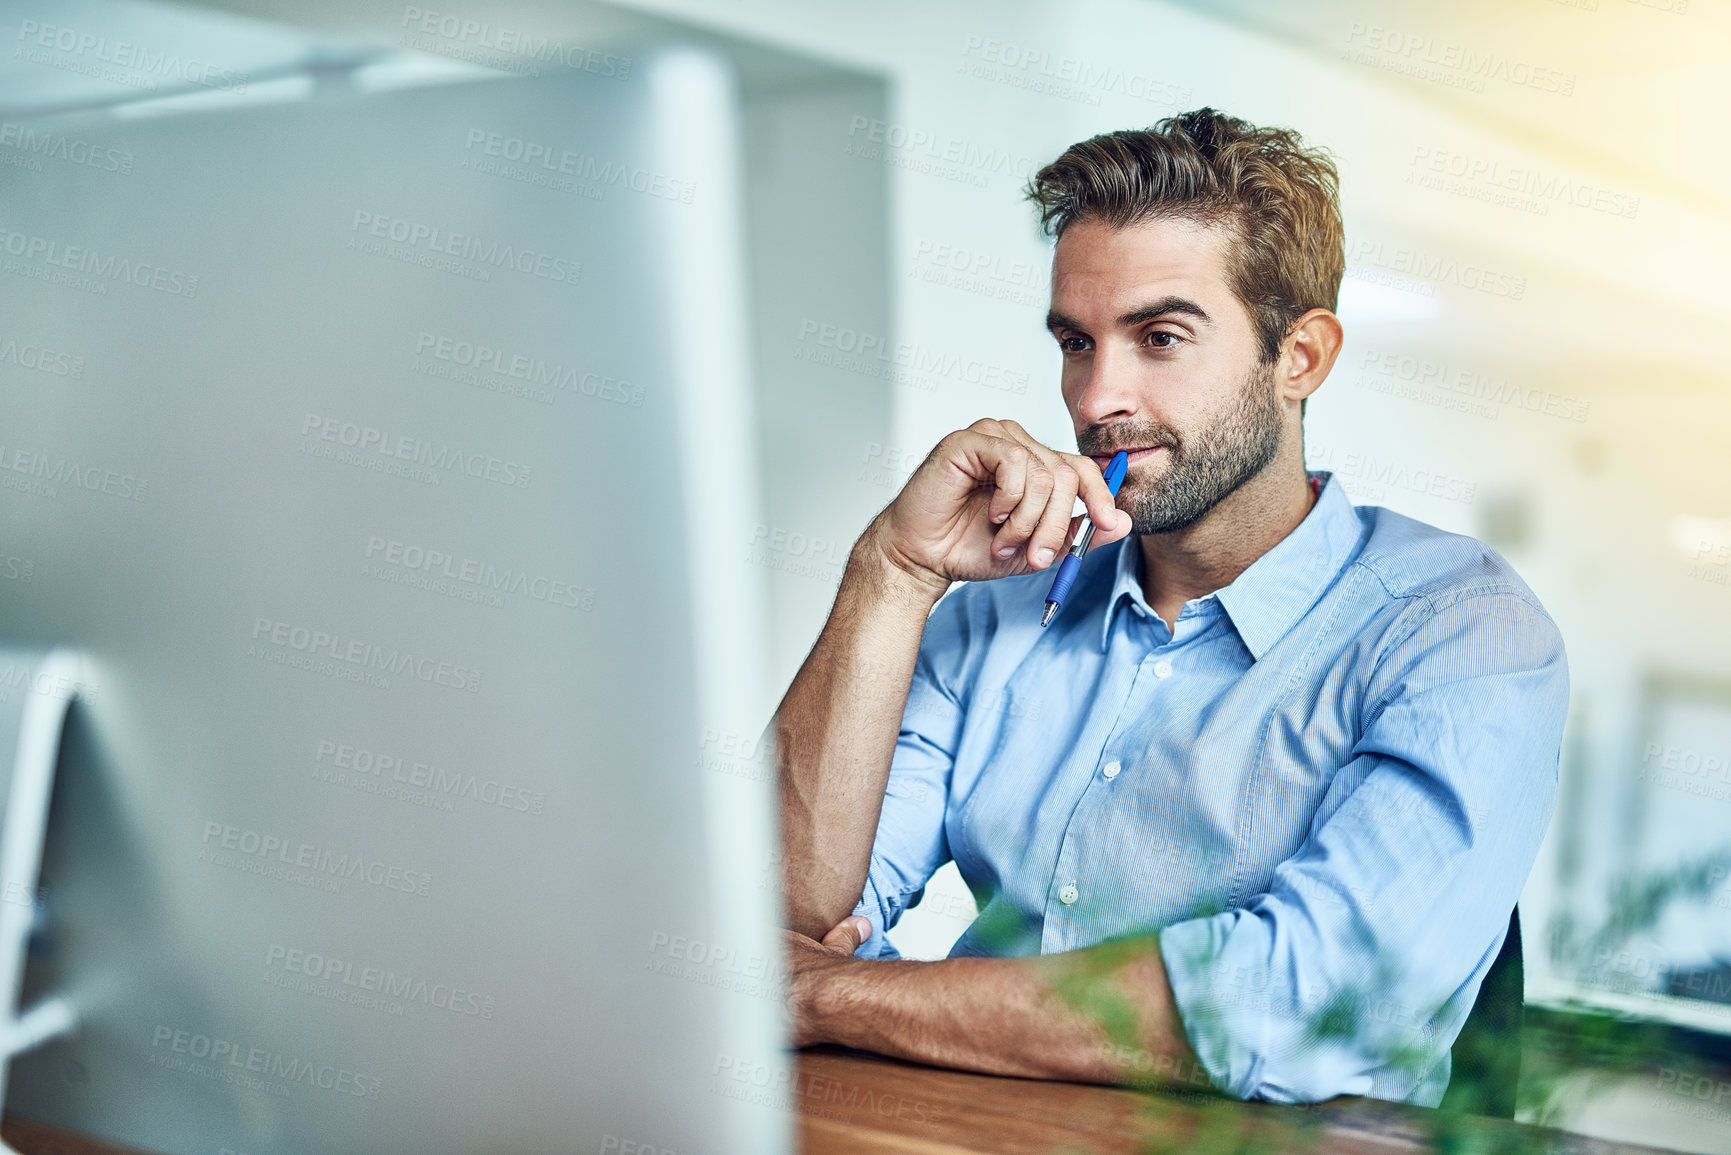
(1279,588)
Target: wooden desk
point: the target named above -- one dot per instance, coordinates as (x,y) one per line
(852,1104)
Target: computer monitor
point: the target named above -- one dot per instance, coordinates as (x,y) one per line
(384,453)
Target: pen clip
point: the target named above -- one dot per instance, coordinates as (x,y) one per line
(1116,469)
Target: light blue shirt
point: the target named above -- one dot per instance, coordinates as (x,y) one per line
(1327,782)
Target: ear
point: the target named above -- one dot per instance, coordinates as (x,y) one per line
(1307,354)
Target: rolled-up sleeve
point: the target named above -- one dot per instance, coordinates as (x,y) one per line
(910,844)
(1355,971)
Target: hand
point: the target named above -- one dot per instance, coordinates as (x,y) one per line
(810,964)
(991,502)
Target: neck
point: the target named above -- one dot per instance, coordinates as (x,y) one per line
(1201,558)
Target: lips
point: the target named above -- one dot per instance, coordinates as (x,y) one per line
(1105,459)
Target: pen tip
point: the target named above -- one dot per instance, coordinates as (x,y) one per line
(1051,612)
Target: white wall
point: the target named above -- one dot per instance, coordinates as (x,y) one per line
(1608,312)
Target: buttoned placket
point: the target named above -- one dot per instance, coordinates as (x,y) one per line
(1067,887)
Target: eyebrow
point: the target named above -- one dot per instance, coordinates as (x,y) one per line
(1161,308)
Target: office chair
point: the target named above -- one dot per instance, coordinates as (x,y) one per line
(1486,1056)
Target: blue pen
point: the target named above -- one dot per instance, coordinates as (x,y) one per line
(1115,470)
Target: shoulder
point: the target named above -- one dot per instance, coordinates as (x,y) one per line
(1416,561)
(1447,585)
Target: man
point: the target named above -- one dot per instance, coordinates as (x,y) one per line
(1263,795)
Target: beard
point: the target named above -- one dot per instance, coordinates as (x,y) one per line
(1205,467)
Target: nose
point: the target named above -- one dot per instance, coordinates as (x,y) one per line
(1108,390)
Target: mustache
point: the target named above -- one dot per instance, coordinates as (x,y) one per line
(1111,438)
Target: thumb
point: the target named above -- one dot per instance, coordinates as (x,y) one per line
(849,934)
(1121,525)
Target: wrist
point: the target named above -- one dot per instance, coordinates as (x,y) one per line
(815,1004)
(891,572)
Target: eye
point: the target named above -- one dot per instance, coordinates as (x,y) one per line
(1073,344)
(1161,339)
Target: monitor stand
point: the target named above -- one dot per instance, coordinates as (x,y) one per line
(36,692)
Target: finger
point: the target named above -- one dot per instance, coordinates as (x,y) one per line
(975,457)
(1110,522)
(1010,478)
(849,934)
(1012,430)
(1052,535)
(1008,482)
(1112,531)
(1036,491)
(1053,459)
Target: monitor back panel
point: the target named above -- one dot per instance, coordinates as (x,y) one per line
(342,446)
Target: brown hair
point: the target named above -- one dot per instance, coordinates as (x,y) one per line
(1280,199)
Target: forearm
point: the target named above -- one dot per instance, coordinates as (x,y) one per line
(835,735)
(1100,1015)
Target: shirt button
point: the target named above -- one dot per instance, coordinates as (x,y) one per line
(1069,894)
(1162,669)
(1110,770)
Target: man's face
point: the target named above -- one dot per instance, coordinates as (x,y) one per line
(1160,358)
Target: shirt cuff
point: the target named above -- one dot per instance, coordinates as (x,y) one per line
(876,911)
(1244,1020)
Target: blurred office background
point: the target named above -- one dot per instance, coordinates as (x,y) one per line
(1537,227)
